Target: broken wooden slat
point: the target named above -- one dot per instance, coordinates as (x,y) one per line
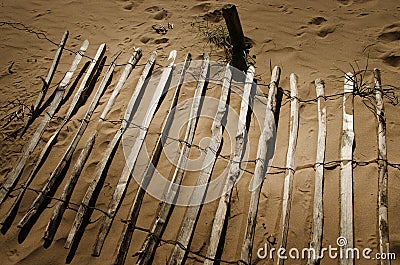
(288,184)
(62,204)
(89,197)
(56,175)
(129,227)
(127,172)
(17,170)
(318,215)
(234,169)
(346,169)
(46,82)
(199,193)
(152,240)
(264,154)
(382,171)
(125,74)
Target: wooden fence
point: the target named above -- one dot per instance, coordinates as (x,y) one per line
(16,186)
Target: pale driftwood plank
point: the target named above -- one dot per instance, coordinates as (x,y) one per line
(234,169)
(265,151)
(199,193)
(46,82)
(90,195)
(127,172)
(152,240)
(17,170)
(383,199)
(129,227)
(346,168)
(318,212)
(62,204)
(288,184)
(137,54)
(56,175)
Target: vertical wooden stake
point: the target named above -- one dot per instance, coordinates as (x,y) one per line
(236,36)
(382,171)
(346,170)
(288,185)
(318,216)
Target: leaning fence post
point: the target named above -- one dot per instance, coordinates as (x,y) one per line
(236,36)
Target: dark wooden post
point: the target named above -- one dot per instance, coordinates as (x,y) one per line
(236,36)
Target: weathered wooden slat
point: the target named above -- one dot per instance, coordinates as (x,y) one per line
(199,193)
(62,204)
(127,172)
(318,213)
(90,195)
(288,184)
(265,151)
(125,74)
(234,169)
(17,170)
(46,82)
(383,200)
(129,227)
(346,169)
(55,177)
(152,240)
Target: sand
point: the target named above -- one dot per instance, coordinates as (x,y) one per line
(314,39)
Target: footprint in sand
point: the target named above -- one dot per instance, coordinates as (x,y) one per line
(131,4)
(390,33)
(214,16)
(145,39)
(321,29)
(391,59)
(326,30)
(204,7)
(160,15)
(160,41)
(317,20)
